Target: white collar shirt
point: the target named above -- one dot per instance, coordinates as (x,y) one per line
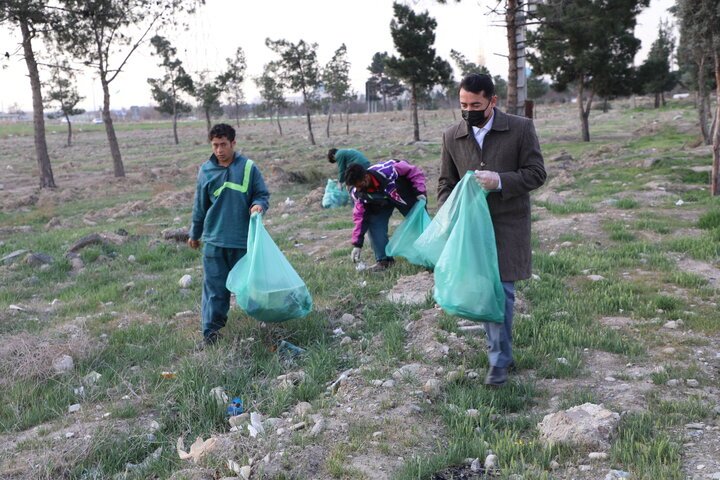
(480,132)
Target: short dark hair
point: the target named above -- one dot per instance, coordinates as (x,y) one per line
(354,173)
(478,83)
(221,130)
(331,155)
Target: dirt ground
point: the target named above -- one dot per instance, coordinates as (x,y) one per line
(393,411)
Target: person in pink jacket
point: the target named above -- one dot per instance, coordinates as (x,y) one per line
(377,192)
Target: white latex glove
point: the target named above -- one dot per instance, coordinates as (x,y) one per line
(355,255)
(422,197)
(487,179)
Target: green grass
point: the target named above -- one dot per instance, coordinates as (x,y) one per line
(134,333)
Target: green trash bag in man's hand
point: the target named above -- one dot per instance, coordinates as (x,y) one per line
(265,285)
(334,195)
(467,276)
(402,242)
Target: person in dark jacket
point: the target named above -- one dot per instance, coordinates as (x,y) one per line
(343,158)
(229,189)
(504,152)
(377,192)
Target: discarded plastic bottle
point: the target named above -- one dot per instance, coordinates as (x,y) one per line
(235,407)
(289,347)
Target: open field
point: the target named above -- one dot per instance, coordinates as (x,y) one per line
(622,310)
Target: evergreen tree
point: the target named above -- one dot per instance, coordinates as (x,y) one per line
(166,91)
(700,21)
(417,65)
(587,43)
(271,91)
(467,67)
(536,86)
(63,92)
(695,61)
(298,66)
(654,75)
(336,81)
(386,85)
(207,93)
(232,80)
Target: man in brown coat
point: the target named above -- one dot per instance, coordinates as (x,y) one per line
(504,152)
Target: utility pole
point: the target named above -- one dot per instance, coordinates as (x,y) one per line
(520,34)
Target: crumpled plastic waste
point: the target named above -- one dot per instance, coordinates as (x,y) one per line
(197,449)
(288,348)
(220,396)
(256,427)
(235,407)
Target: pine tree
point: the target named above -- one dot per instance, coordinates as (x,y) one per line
(298,66)
(589,43)
(417,65)
(166,91)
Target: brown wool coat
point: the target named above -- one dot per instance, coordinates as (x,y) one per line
(511,148)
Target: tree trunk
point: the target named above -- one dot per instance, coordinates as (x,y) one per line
(278,122)
(413,107)
(309,124)
(110,129)
(175,135)
(703,103)
(347,121)
(510,14)
(662,98)
(41,151)
(67,120)
(715,177)
(207,119)
(327,127)
(237,114)
(585,128)
(605,105)
(657,100)
(175,115)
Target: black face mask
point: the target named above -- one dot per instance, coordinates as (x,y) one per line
(474,118)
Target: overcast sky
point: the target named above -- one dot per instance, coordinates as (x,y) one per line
(363,26)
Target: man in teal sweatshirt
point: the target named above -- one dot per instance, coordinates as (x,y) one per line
(343,158)
(229,189)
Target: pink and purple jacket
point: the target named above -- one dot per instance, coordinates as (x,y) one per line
(400,184)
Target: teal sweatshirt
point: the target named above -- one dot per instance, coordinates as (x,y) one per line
(345,157)
(223,198)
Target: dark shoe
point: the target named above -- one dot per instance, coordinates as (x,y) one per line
(208,341)
(382,265)
(496,376)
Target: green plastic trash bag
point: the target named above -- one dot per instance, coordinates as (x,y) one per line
(402,242)
(334,196)
(467,277)
(431,243)
(265,285)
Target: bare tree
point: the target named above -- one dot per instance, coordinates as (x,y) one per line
(98,31)
(32,17)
